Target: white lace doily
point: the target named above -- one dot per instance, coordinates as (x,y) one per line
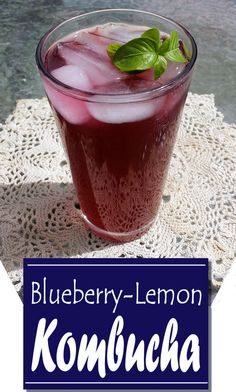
(37,199)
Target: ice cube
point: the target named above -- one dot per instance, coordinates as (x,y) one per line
(118,113)
(93,41)
(72,76)
(71,109)
(173,70)
(146,75)
(116,87)
(77,58)
(175,97)
(120,32)
(133,85)
(99,72)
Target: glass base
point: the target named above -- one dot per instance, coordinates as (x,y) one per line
(116,236)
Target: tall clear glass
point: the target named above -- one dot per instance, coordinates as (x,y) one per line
(119,145)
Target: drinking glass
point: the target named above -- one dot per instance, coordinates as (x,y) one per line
(118,144)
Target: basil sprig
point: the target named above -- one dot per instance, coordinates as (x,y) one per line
(147,51)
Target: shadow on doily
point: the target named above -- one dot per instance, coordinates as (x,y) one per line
(41,219)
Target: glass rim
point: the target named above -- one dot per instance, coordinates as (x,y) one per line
(91,96)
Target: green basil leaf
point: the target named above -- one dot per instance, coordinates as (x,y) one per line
(159,66)
(175,55)
(164,46)
(153,34)
(174,40)
(112,48)
(138,54)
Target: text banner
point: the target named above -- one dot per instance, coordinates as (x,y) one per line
(116,324)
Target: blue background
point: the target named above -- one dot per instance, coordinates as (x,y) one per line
(143,320)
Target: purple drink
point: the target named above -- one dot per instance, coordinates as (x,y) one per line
(119,131)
